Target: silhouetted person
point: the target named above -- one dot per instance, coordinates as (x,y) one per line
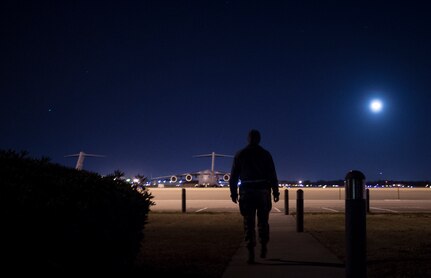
(254,167)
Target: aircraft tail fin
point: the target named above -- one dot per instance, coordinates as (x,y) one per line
(213,154)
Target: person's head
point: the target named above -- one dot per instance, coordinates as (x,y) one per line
(254,137)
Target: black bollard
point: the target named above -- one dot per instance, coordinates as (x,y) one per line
(355,215)
(368,200)
(300,211)
(183,200)
(286,202)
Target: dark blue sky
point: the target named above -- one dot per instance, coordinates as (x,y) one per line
(149,84)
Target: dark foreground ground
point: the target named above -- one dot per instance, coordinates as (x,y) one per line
(201,244)
(398,245)
(192,244)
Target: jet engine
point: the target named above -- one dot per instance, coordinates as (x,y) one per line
(226,177)
(189,177)
(174,179)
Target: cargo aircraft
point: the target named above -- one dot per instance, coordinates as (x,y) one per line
(205,178)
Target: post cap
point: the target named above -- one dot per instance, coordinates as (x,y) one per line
(355,174)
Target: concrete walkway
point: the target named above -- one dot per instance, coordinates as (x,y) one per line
(290,254)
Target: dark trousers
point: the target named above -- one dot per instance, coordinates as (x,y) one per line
(252,203)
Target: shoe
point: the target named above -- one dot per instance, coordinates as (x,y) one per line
(250,259)
(263,251)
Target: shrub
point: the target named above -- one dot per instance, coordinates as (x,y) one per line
(61,220)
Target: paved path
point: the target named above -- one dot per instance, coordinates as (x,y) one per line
(290,254)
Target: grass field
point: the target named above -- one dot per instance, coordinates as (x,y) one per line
(201,245)
(398,245)
(196,245)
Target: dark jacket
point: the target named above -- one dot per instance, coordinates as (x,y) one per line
(252,165)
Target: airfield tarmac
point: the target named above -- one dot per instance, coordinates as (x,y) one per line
(331,200)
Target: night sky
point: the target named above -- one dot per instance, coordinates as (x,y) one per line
(152,83)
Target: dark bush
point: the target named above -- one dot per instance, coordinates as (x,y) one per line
(60,220)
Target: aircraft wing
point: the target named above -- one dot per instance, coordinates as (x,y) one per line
(192,176)
(176,177)
(220,173)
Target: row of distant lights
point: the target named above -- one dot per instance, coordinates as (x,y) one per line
(299,184)
(390,186)
(337,186)
(307,185)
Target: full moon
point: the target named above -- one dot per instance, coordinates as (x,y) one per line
(376,106)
